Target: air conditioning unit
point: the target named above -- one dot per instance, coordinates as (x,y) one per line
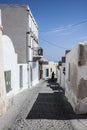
(40,51)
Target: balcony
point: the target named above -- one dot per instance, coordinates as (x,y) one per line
(34,35)
(37,53)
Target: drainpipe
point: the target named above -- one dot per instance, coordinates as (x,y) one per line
(2,80)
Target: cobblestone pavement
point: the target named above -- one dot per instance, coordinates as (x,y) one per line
(48,110)
(43,124)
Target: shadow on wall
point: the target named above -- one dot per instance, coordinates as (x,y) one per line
(53,105)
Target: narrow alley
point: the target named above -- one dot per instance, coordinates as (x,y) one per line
(49,111)
(43,65)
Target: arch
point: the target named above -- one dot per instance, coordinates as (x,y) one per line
(10,60)
(7,44)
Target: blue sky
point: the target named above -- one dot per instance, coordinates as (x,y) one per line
(62,24)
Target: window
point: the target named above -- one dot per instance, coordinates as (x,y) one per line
(8,80)
(51,70)
(21,75)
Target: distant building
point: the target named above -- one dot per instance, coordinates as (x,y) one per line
(48,68)
(76,78)
(61,70)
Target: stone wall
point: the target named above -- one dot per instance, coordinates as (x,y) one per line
(76,78)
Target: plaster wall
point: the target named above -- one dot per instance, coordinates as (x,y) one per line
(33,25)
(62,83)
(15,25)
(52,67)
(76,78)
(71,76)
(10,61)
(24,76)
(10,64)
(33,43)
(35,77)
(23,31)
(33,65)
(3,102)
(59,75)
(82,79)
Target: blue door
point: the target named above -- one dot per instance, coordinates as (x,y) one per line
(47,72)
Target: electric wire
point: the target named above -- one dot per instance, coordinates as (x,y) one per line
(51,43)
(66,27)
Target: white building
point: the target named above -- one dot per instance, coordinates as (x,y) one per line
(11,69)
(48,68)
(20,25)
(20,52)
(76,78)
(61,73)
(2,81)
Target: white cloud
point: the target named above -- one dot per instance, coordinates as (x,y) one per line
(64,28)
(60,29)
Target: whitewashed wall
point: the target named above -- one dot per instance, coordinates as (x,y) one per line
(10,61)
(10,64)
(62,83)
(33,66)
(24,76)
(49,66)
(76,78)
(3,102)
(71,76)
(17,28)
(32,24)
(35,73)
(59,75)
(82,82)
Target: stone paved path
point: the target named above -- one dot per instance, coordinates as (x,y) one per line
(49,111)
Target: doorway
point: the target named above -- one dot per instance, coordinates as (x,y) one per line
(21,75)
(47,72)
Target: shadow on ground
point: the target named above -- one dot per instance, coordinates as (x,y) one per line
(53,105)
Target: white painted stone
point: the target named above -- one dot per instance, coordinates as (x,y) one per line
(0,18)
(10,61)
(76,78)
(10,64)
(2,80)
(52,67)
(17,29)
(61,75)
(33,75)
